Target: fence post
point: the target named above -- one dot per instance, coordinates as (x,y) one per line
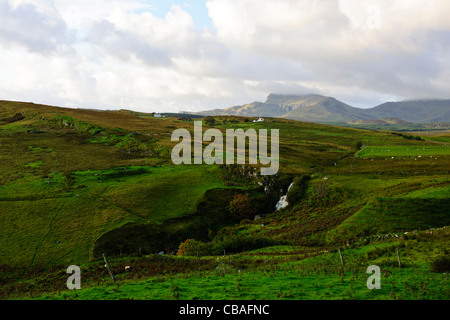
(398,258)
(340,255)
(109,268)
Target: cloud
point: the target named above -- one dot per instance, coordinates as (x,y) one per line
(125,45)
(26,25)
(283,28)
(120,54)
(334,41)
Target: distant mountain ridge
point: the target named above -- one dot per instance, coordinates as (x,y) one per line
(416,111)
(318,108)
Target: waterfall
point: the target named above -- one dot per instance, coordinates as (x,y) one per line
(282,203)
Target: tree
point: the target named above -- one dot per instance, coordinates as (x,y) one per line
(358,145)
(241,208)
(210,121)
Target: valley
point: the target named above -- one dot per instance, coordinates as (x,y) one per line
(78,183)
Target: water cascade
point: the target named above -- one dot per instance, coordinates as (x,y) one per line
(282,203)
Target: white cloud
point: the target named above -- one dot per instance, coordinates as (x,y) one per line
(333,40)
(27,25)
(119,54)
(284,28)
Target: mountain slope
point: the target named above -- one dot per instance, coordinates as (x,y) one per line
(317,108)
(419,111)
(313,108)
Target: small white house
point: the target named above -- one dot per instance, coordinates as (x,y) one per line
(158,115)
(259,120)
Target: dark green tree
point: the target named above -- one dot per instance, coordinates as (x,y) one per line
(210,121)
(241,208)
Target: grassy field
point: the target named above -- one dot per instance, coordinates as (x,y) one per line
(76,183)
(405,151)
(97,202)
(280,273)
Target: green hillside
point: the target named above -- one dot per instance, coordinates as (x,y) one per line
(77,183)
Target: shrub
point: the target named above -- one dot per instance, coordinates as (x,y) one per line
(441,264)
(233,244)
(192,247)
(17,117)
(242,243)
(210,121)
(240,207)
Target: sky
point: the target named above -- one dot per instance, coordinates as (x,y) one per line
(172,56)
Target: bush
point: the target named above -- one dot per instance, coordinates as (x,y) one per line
(192,247)
(17,117)
(241,243)
(240,207)
(234,244)
(210,121)
(441,264)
